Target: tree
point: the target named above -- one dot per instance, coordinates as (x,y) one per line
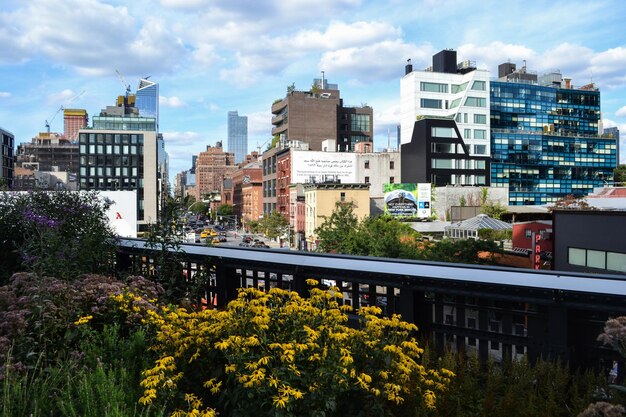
(384,236)
(274,225)
(337,231)
(493,210)
(225,210)
(619,174)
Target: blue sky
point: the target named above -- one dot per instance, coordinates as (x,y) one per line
(212,56)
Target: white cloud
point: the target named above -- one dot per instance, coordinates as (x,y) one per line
(489,56)
(214,107)
(173,101)
(4,94)
(260,123)
(181,138)
(621,112)
(64,97)
(380,61)
(93,37)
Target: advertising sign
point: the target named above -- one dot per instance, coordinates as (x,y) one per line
(318,166)
(407,200)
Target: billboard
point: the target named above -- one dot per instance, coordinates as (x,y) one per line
(408,200)
(319,166)
(123,212)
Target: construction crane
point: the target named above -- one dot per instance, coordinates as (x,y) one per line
(70,101)
(52,119)
(124,83)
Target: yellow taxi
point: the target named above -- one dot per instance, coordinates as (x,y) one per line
(204,234)
(215,241)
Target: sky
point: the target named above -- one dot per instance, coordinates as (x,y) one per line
(213,56)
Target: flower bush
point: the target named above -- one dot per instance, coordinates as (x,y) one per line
(39,315)
(280,354)
(61,234)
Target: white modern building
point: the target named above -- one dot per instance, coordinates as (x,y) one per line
(448,91)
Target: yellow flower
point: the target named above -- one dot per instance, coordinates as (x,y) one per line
(83,320)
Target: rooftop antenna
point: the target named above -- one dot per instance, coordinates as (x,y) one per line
(323,86)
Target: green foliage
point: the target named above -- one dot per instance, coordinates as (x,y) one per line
(336,233)
(515,388)
(273,225)
(494,235)
(466,251)
(254,226)
(100,378)
(62,234)
(291,88)
(619,174)
(493,210)
(225,209)
(200,208)
(462,201)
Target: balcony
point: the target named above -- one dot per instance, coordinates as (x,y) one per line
(279,105)
(279,119)
(279,129)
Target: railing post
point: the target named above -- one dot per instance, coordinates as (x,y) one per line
(227,284)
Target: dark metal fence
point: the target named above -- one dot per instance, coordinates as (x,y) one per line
(501,313)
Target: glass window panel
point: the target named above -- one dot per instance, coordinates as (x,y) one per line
(479,85)
(577,256)
(479,134)
(467,133)
(434,87)
(476,102)
(455,103)
(443,132)
(456,88)
(429,103)
(480,119)
(616,261)
(596,259)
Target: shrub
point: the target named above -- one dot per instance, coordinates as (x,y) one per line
(280,354)
(61,234)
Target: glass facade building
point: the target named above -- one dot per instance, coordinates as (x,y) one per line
(237,135)
(545,143)
(147,100)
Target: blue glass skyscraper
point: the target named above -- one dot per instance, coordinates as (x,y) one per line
(147,100)
(237,141)
(544,138)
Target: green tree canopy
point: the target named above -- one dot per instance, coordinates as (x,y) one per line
(620,174)
(274,225)
(225,210)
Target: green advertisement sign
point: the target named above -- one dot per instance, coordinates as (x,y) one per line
(407,200)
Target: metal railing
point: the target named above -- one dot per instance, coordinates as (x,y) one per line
(501,313)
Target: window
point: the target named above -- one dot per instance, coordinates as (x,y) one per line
(367,164)
(442,163)
(442,148)
(443,132)
(434,87)
(616,261)
(480,133)
(457,88)
(479,85)
(480,119)
(391,164)
(391,180)
(429,103)
(596,259)
(455,103)
(480,149)
(476,102)
(467,133)
(528,234)
(360,122)
(577,257)
(367,180)
(343,196)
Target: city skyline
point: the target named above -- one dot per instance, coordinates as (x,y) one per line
(244,60)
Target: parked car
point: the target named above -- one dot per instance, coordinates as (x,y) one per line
(215,241)
(223,239)
(259,244)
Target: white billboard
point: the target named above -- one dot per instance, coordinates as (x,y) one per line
(309,166)
(123,212)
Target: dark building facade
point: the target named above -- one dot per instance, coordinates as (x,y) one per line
(589,241)
(7,159)
(437,153)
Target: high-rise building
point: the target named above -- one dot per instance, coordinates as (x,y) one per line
(147,99)
(444,123)
(614,133)
(7,146)
(123,151)
(73,121)
(212,166)
(544,137)
(319,115)
(237,140)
